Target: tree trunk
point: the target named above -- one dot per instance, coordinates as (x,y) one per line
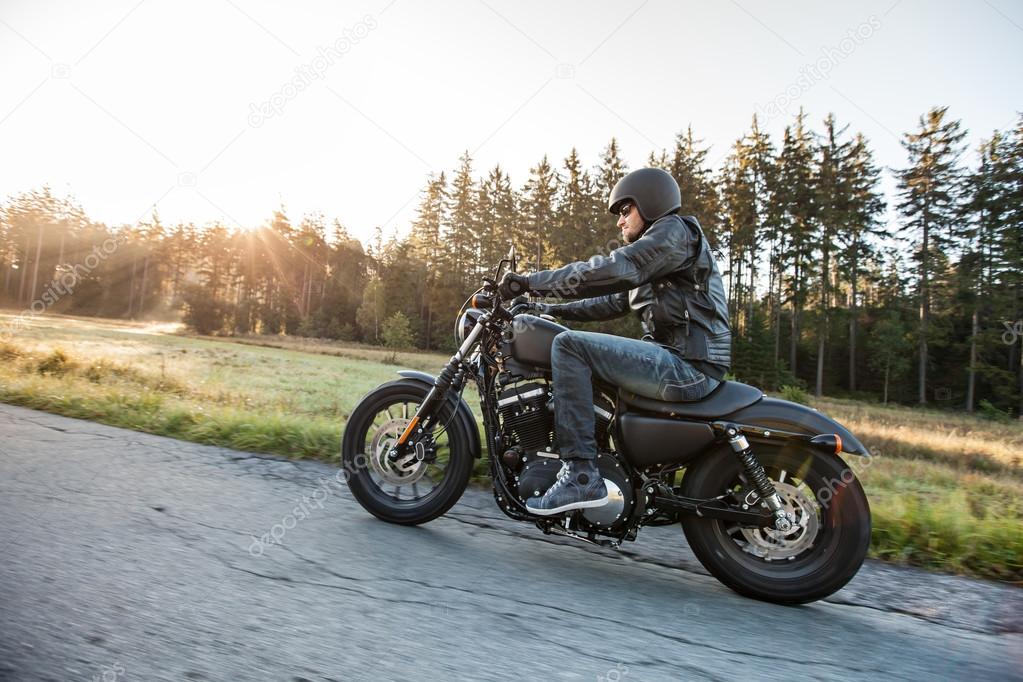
(852,324)
(777,316)
(731,288)
(1019,315)
(825,303)
(752,293)
(175,281)
(60,255)
(131,290)
(971,384)
(819,387)
(142,290)
(307,288)
(887,368)
(35,268)
(925,309)
(429,322)
(1019,383)
(7,276)
(24,271)
(794,341)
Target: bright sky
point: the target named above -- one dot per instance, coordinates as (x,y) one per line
(127,104)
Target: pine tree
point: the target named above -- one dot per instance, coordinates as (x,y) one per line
(832,196)
(796,208)
(1010,246)
(505,216)
(606,175)
(574,238)
(984,214)
(462,234)
(747,184)
(929,196)
(1004,277)
(889,348)
(373,310)
(537,213)
(860,233)
(425,238)
(688,165)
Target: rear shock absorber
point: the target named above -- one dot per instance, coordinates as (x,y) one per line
(755,470)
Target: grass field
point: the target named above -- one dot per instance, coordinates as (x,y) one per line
(946,490)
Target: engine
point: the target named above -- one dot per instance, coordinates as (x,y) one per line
(527,416)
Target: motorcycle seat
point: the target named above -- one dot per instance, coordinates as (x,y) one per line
(727,398)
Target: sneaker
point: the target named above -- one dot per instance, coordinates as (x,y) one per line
(579,486)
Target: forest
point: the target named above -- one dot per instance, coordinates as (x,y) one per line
(825,292)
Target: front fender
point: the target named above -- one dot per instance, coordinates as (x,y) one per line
(774,413)
(462,411)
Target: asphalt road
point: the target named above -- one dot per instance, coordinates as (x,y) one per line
(132,557)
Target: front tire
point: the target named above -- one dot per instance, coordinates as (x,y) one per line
(414,492)
(810,563)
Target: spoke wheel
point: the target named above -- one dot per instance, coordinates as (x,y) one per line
(770,544)
(822,551)
(418,473)
(425,482)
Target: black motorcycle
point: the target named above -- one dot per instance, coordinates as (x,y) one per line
(764,498)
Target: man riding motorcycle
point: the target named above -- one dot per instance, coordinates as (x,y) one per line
(666,274)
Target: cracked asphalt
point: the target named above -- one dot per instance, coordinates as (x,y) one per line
(127,556)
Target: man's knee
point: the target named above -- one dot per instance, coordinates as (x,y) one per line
(565,340)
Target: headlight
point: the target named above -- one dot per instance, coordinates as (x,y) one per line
(466,321)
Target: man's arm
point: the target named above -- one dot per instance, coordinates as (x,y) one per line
(664,248)
(605,307)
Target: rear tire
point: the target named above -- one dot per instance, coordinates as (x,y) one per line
(790,569)
(374,424)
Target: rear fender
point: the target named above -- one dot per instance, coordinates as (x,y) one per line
(783,415)
(462,412)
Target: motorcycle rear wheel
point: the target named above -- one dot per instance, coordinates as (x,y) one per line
(431,486)
(816,559)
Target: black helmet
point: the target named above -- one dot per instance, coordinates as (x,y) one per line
(653,190)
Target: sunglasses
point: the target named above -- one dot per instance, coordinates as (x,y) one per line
(625,210)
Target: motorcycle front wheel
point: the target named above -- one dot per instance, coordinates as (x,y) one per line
(817,557)
(423,485)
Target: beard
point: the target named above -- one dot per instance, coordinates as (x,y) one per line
(627,240)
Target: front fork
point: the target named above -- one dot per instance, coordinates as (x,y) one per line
(755,470)
(452,376)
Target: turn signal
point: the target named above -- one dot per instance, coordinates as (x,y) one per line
(828,442)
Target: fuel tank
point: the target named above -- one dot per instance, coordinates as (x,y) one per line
(529,340)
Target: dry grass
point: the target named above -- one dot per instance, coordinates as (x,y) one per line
(430,362)
(962,441)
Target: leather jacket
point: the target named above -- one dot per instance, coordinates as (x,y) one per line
(668,277)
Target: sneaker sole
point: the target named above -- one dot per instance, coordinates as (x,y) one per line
(568,507)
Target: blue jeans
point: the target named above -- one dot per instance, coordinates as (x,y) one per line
(641,367)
